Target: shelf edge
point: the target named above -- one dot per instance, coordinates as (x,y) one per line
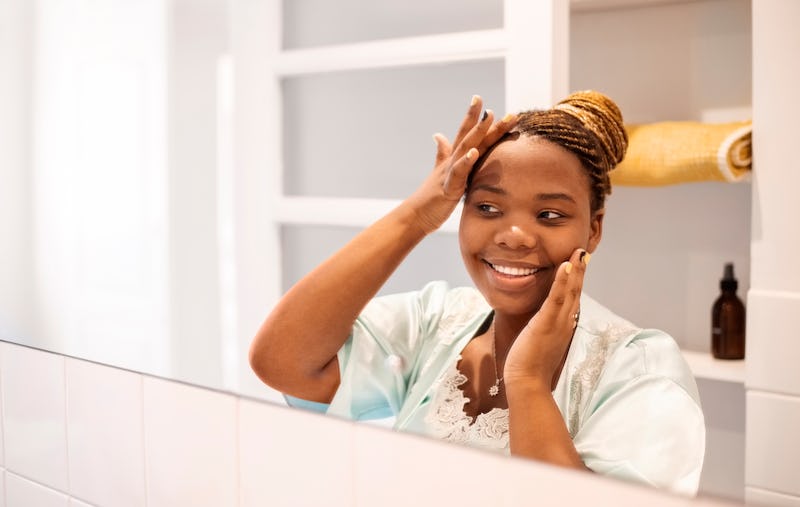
(704,366)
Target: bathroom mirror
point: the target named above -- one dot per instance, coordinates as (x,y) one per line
(161,187)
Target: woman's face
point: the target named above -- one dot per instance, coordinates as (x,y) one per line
(526,211)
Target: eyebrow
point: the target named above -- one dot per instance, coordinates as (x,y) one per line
(552,196)
(555,196)
(490,188)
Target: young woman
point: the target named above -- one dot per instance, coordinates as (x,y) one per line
(526,363)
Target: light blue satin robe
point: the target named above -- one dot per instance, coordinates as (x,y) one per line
(627,396)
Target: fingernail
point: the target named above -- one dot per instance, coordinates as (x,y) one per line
(587,258)
(582,255)
(507,118)
(474,101)
(484,115)
(568,268)
(471,153)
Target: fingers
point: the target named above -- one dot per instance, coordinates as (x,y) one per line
(496,131)
(464,155)
(470,119)
(477,133)
(478,129)
(443,148)
(563,301)
(456,178)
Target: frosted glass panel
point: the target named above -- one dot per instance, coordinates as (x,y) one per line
(436,258)
(368,133)
(320,22)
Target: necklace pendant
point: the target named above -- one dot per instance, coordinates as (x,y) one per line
(494,389)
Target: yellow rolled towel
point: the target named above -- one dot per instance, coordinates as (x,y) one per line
(668,153)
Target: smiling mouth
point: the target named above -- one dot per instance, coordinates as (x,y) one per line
(512,271)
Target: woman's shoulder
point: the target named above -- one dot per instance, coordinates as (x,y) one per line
(436,293)
(440,296)
(434,305)
(631,351)
(600,322)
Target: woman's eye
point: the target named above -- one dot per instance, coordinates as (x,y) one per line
(488,209)
(550,215)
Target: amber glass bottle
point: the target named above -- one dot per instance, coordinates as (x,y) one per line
(728,319)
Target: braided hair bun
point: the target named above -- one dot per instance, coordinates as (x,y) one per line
(589,124)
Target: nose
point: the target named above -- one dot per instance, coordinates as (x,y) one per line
(515,237)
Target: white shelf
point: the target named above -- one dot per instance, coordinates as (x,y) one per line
(601,5)
(705,366)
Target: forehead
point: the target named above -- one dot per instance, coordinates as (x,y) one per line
(525,162)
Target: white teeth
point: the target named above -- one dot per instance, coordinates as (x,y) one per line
(514,271)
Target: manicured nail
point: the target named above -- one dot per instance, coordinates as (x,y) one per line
(507,118)
(582,255)
(587,258)
(472,153)
(484,115)
(568,268)
(474,101)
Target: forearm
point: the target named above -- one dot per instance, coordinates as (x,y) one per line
(295,349)
(536,427)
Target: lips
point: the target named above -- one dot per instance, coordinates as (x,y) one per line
(513,270)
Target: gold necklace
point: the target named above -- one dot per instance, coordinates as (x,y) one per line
(496,387)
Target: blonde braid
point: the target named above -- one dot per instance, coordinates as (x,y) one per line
(589,124)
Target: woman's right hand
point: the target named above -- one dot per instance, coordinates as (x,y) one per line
(435,200)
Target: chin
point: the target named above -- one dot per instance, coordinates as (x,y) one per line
(513,306)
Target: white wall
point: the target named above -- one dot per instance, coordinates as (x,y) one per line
(773,314)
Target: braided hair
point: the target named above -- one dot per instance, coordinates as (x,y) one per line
(589,124)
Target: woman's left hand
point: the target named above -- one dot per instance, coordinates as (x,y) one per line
(539,351)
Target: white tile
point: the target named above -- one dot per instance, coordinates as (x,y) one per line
(763,497)
(2,487)
(190,445)
(21,492)
(522,480)
(772,441)
(396,469)
(105,435)
(2,450)
(73,502)
(34,429)
(772,347)
(291,457)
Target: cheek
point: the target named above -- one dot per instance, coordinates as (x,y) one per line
(561,246)
(469,232)
(466,245)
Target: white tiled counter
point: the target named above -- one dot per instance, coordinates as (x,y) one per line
(77,433)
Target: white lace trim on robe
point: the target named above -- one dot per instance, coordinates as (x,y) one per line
(448,421)
(587,373)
